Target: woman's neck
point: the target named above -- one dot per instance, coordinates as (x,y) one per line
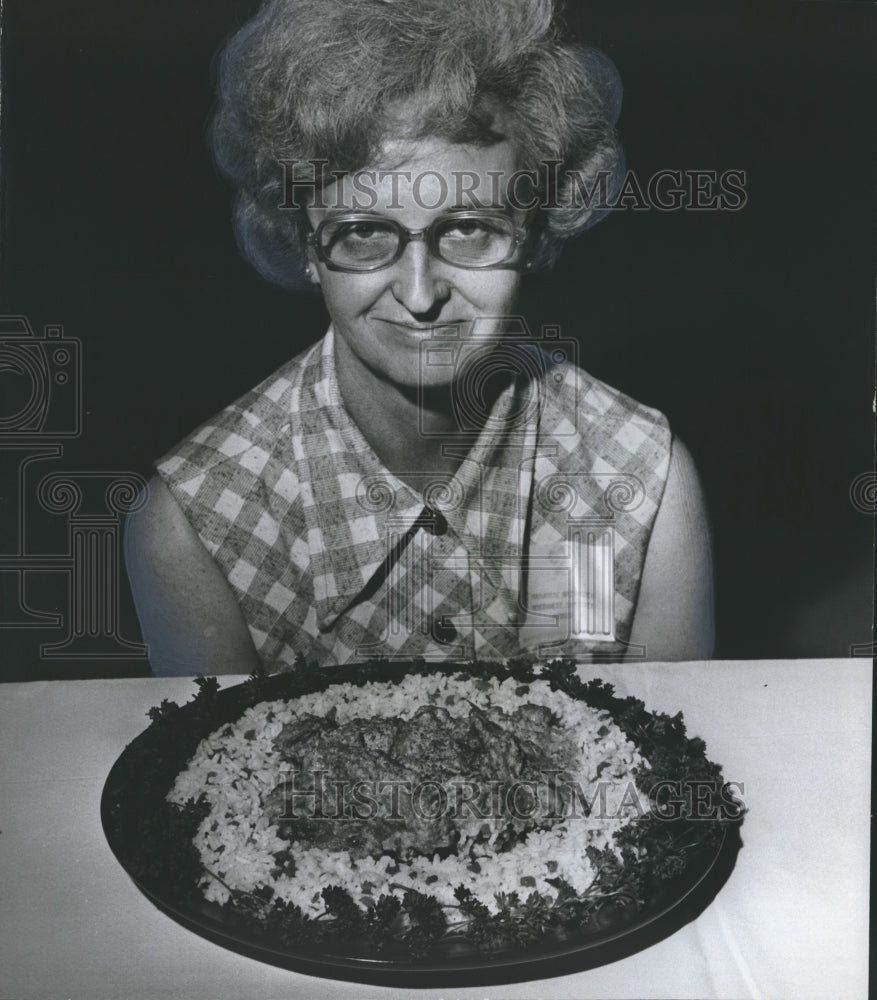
(407,427)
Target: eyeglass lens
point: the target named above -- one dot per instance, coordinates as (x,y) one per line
(473,241)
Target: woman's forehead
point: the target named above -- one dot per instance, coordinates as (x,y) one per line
(426,176)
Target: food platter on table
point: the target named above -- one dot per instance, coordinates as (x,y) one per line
(643,832)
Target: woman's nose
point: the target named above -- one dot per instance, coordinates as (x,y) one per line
(416,284)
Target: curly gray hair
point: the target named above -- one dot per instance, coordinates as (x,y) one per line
(309,80)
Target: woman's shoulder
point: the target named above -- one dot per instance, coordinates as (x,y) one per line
(583,410)
(234,477)
(597,401)
(247,432)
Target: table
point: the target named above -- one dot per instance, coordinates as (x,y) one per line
(792,921)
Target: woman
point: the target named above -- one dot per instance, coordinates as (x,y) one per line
(432,479)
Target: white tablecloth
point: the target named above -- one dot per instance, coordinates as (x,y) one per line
(792,921)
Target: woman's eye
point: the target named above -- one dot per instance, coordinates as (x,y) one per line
(358,237)
(468,227)
(361,231)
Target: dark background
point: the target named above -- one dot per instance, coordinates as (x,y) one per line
(752,330)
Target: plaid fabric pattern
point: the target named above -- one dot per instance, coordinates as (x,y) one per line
(546,522)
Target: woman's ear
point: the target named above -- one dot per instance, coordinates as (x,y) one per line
(311,272)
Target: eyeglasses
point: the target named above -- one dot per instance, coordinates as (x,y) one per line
(362,242)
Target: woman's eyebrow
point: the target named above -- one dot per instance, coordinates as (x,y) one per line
(502,207)
(337,212)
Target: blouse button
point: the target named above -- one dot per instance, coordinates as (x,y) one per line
(432,521)
(437,524)
(443,632)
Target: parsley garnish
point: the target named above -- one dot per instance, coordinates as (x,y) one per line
(648,852)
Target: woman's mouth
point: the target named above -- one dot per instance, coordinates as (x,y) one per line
(446,328)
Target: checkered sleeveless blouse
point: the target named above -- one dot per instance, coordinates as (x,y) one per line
(535,545)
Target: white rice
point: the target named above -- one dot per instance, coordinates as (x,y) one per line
(237,843)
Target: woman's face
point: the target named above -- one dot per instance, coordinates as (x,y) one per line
(383,317)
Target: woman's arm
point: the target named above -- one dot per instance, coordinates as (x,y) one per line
(190,619)
(674,614)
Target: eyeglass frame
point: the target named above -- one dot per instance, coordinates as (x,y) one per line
(426,234)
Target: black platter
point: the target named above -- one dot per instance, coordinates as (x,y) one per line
(133,802)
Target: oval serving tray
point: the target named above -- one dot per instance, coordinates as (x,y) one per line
(133,803)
